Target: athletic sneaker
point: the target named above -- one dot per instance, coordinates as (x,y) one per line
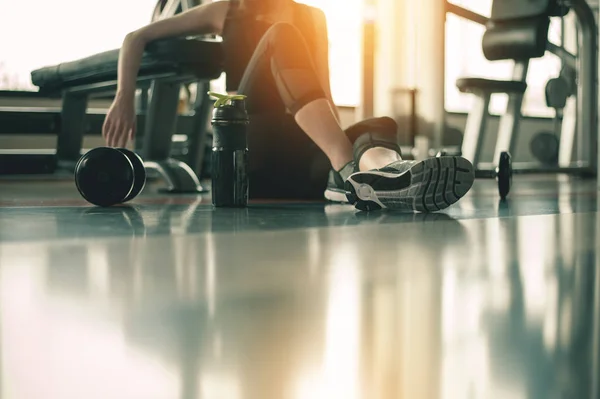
(424,186)
(335,191)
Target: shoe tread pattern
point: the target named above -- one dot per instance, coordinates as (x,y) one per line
(435,184)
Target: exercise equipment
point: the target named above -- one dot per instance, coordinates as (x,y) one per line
(139,171)
(12,122)
(166,66)
(107,176)
(518,31)
(32,162)
(544,146)
(503,174)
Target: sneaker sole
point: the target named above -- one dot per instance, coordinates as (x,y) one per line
(429,186)
(338,196)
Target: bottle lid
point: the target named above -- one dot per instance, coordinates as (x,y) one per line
(229,107)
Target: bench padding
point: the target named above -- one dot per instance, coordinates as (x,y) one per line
(474,85)
(200,58)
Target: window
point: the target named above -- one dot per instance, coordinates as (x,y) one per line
(49,32)
(344,20)
(464,57)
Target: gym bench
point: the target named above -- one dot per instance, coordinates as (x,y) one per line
(518,31)
(166,66)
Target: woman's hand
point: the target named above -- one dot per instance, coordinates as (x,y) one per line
(120,123)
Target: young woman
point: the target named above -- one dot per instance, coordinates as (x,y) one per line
(276,53)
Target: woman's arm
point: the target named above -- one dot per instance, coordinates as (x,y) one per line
(204,19)
(322,58)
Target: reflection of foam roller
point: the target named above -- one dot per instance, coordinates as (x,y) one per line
(225,99)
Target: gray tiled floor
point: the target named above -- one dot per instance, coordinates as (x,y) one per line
(169,298)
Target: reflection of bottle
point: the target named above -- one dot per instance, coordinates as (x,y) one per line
(230,152)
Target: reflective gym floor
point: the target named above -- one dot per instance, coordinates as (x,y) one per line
(169,298)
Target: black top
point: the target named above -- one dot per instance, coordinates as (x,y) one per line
(242,33)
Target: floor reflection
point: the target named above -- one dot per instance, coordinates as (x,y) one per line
(154,214)
(376,308)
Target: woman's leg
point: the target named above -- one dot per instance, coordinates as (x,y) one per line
(284,163)
(283,56)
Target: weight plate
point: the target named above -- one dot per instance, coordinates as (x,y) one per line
(104,176)
(139,173)
(544,147)
(504,174)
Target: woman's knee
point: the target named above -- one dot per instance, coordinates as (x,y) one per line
(284,33)
(288,46)
(292,67)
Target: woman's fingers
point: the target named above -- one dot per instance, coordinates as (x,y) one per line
(123,136)
(106,128)
(115,134)
(133,131)
(130,133)
(118,128)
(110,131)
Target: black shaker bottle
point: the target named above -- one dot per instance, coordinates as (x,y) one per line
(230,152)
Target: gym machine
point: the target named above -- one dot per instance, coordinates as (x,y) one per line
(13,120)
(578,139)
(180,176)
(166,67)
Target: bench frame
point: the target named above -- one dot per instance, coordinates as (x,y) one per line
(158,105)
(161,92)
(579,138)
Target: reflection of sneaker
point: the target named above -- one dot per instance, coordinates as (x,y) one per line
(335,191)
(424,186)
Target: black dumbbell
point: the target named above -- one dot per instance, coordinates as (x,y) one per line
(108,176)
(503,174)
(545,147)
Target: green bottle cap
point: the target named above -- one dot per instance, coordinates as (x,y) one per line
(225,99)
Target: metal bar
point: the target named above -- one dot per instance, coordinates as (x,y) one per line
(474,135)
(410,112)
(102,89)
(29,151)
(70,138)
(110,86)
(170,9)
(36,122)
(142,100)
(27,163)
(587,87)
(14,122)
(414,119)
(526,168)
(188,4)
(20,94)
(198,135)
(568,134)
(508,131)
(595,344)
(160,121)
(563,54)
(466,14)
